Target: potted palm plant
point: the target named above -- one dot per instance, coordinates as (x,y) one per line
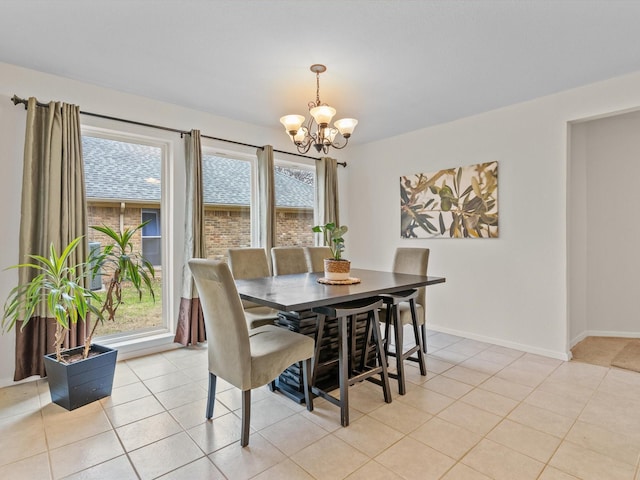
(123,267)
(336,267)
(80,375)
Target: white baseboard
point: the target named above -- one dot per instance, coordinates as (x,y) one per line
(602,333)
(559,355)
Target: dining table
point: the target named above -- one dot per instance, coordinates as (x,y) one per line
(303,291)
(295,295)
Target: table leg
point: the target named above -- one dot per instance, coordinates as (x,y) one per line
(343,367)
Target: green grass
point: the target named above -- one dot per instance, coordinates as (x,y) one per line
(135,313)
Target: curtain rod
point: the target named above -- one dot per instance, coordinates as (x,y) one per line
(17,100)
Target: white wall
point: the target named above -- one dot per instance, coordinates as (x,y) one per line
(91,98)
(607,150)
(577,233)
(511,290)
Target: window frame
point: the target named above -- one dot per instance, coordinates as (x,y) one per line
(302,164)
(130,343)
(212,150)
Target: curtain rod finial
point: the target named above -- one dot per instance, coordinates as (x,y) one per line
(16,100)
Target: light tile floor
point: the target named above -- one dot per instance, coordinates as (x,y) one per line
(482,412)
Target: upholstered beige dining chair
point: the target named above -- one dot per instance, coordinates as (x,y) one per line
(288,260)
(245,358)
(248,263)
(315,258)
(406,308)
(414,261)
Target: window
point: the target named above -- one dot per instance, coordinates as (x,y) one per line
(227,204)
(123,181)
(151,239)
(228,200)
(294,188)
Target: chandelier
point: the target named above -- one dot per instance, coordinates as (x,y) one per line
(317,131)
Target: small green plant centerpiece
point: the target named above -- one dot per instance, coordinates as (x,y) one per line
(335,268)
(58,291)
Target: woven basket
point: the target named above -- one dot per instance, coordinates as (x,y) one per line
(336,269)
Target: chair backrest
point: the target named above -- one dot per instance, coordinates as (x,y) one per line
(315,258)
(227,333)
(246,263)
(414,261)
(287,260)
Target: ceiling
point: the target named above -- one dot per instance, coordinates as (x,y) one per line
(396,65)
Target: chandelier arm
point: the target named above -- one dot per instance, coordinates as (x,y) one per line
(310,124)
(338,146)
(303,147)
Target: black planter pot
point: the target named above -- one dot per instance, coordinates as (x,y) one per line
(76,384)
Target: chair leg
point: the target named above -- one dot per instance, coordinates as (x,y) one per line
(352,341)
(212,395)
(387,329)
(384,375)
(272,386)
(366,348)
(306,379)
(398,330)
(424,337)
(246,417)
(316,353)
(416,335)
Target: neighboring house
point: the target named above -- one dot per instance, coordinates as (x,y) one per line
(123,186)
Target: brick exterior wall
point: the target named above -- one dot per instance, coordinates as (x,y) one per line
(231,228)
(293,229)
(224,228)
(109,215)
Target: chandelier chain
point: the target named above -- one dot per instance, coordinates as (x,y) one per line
(317,89)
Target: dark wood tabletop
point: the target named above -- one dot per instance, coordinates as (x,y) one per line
(303,291)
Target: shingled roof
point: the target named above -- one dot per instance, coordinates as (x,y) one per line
(130,172)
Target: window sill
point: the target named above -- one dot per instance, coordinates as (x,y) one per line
(143,345)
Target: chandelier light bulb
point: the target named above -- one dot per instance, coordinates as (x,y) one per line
(300,135)
(330,134)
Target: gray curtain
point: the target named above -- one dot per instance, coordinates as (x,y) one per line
(54,210)
(190,328)
(327,206)
(266,216)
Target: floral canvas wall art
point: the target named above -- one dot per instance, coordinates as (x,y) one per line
(454,203)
